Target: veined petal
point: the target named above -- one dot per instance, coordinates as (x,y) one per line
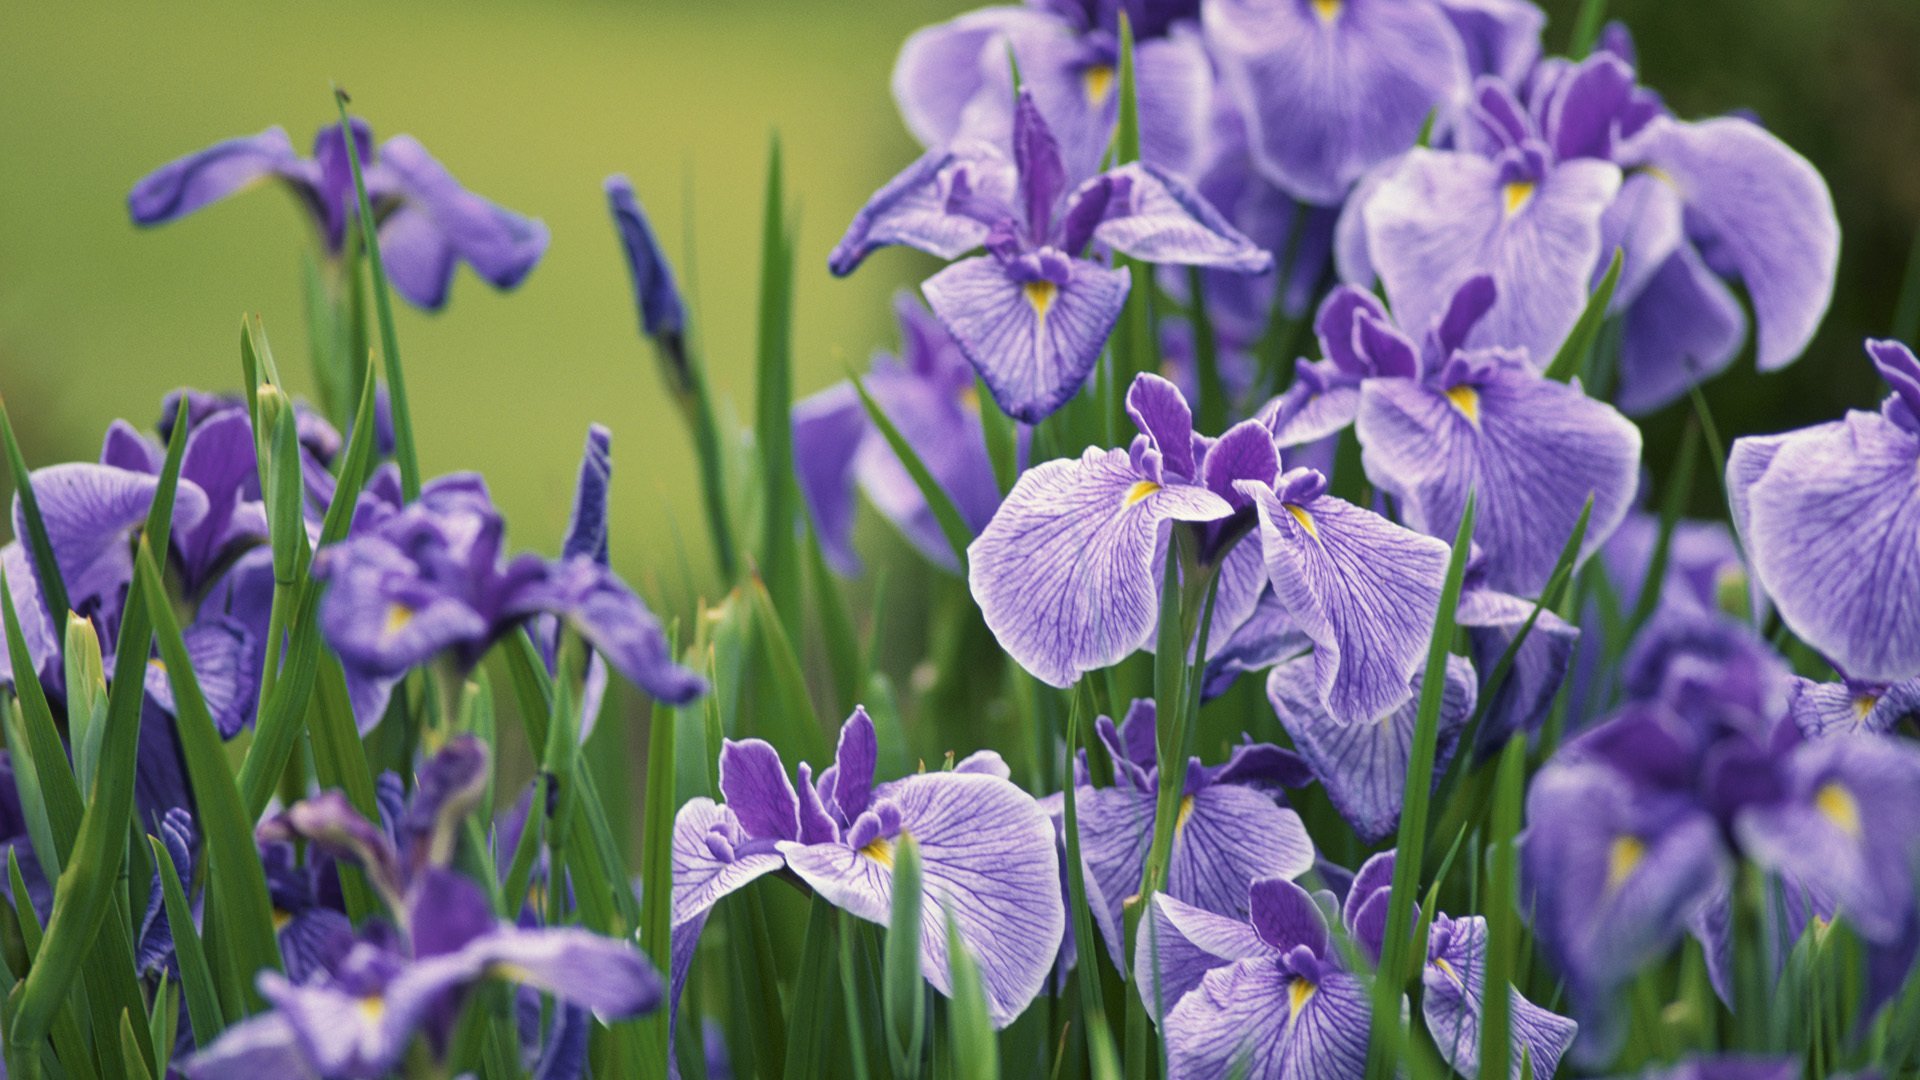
(1179,943)
(1454,979)
(1154,216)
(1531,449)
(1228,836)
(1361,588)
(1255,1020)
(1762,213)
(226,168)
(912,208)
(1684,327)
(757,790)
(1442,217)
(1501,37)
(942,68)
(1033,342)
(1644,222)
(1328,97)
(1820,709)
(1364,765)
(1492,620)
(987,856)
(1064,574)
(1831,531)
(89,511)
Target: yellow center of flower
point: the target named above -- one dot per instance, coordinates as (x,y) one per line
(1836,804)
(158,665)
(1041,295)
(1097,80)
(1518,194)
(970,399)
(1298,991)
(1447,970)
(398,616)
(372,1008)
(1305,519)
(1140,490)
(1467,400)
(1328,10)
(1623,858)
(1186,811)
(1863,705)
(281,917)
(880,851)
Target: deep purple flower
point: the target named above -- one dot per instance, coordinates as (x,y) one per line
(1364,765)
(428,223)
(954,80)
(1033,313)
(928,392)
(411,582)
(1231,827)
(986,849)
(1827,514)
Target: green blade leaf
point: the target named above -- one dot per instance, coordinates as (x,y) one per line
(1086,955)
(1673,504)
(46,568)
(1574,351)
(203,1003)
(976,1054)
(1586,28)
(1496,1020)
(1001,436)
(1213,408)
(798,725)
(58,791)
(904,992)
(656,858)
(952,525)
(403,447)
(773,422)
(806,1023)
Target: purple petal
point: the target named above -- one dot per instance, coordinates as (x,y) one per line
(854,761)
(655,293)
(226,168)
(1228,836)
(1361,588)
(89,510)
(1821,709)
(756,789)
(1452,1006)
(1644,221)
(1328,96)
(1064,574)
(1155,217)
(1762,213)
(1266,638)
(1683,328)
(1032,341)
(263,1045)
(605,975)
(1492,621)
(701,877)
(1829,527)
(600,607)
(1334,323)
(1161,413)
(1116,826)
(935,413)
(1255,1020)
(1285,917)
(1043,176)
(1181,943)
(440,219)
(1502,37)
(988,857)
(913,207)
(1363,765)
(1442,217)
(587,525)
(828,429)
(942,68)
(1530,449)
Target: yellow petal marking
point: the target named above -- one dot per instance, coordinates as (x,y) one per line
(1863,705)
(1467,400)
(1518,194)
(1305,519)
(1140,490)
(1837,805)
(1041,294)
(1623,858)
(372,1008)
(1328,10)
(1097,80)
(880,851)
(1298,991)
(1447,970)
(398,616)
(1186,811)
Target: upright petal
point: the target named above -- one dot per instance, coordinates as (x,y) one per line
(1762,213)
(1442,217)
(942,68)
(1064,574)
(1330,90)
(1832,533)
(226,168)
(602,609)
(1033,341)
(1502,37)
(1531,450)
(1364,765)
(1361,588)
(757,790)
(655,293)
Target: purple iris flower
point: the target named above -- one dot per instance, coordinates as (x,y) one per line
(1850,706)
(358,1016)
(414,581)
(1231,827)
(1364,765)
(427,222)
(1827,513)
(1331,88)
(1454,981)
(928,393)
(1067,572)
(986,849)
(1438,419)
(954,80)
(1033,313)
(1492,621)
(1539,191)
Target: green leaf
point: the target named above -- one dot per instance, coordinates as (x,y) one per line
(403,446)
(1213,409)
(1586,28)
(1396,967)
(656,858)
(340,761)
(773,423)
(203,1003)
(1573,353)
(244,935)
(798,729)
(904,991)
(806,1021)
(53,588)
(1086,951)
(842,645)
(1496,1018)
(976,1054)
(1426,128)
(1000,435)
(53,781)
(130,1049)
(952,525)
(1126,136)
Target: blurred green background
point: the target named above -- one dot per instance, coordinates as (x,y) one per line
(532,105)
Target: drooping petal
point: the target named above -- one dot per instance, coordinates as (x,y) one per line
(1644,221)
(1364,765)
(441,220)
(655,294)
(1831,530)
(1532,451)
(1442,217)
(914,208)
(89,510)
(1684,328)
(608,976)
(226,168)
(1361,588)
(1492,621)
(1762,213)
(1032,341)
(987,857)
(1331,90)
(1064,574)
(262,1045)
(828,429)
(600,607)
(1116,827)
(380,615)
(1141,211)
(1179,943)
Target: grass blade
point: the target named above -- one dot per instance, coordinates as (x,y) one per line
(1396,953)
(976,1054)
(799,725)
(1673,503)
(806,1024)
(1211,413)
(1586,28)
(1574,351)
(1001,436)
(59,792)
(1086,955)
(952,525)
(1496,1015)
(203,1004)
(46,568)
(773,423)
(656,856)
(904,992)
